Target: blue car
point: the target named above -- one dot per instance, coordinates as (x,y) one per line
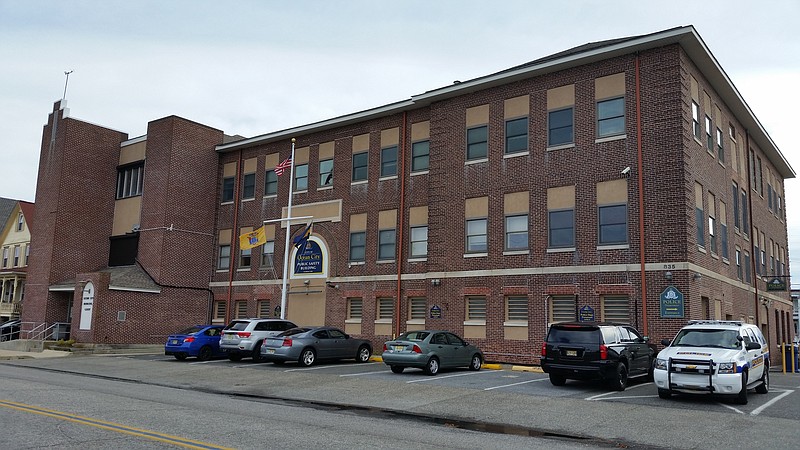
(201,341)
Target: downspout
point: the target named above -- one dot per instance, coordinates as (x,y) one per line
(641,198)
(401,224)
(234,237)
(753,238)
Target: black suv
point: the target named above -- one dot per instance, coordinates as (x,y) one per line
(596,350)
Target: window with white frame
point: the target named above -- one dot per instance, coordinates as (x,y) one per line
(224,259)
(517,232)
(696,120)
(268,254)
(709,136)
(476,236)
(419,242)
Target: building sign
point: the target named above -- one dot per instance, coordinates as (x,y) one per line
(87,306)
(436,312)
(671,303)
(586,314)
(310,260)
(776,284)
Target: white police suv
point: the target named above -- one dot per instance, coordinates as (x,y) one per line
(714,357)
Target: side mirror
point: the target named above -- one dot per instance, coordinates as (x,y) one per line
(753,346)
(347,336)
(665,342)
(646,339)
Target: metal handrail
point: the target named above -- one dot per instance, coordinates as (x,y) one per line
(39,331)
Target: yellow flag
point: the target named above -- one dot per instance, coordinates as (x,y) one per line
(253,239)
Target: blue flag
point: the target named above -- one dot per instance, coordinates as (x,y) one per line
(301,239)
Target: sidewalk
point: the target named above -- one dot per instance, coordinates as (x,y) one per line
(13,354)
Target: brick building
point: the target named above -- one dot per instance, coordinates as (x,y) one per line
(620,180)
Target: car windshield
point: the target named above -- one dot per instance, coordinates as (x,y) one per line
(191,330)
(708,338)
(413,336)
(293,331)
(238,325)
(560,335)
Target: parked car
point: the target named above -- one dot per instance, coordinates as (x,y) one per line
(243,337)
(714,357)
(605,351)
(10,330)
(430,350)
(309,345)
(201,341)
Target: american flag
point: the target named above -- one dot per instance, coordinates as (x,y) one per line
(280,168)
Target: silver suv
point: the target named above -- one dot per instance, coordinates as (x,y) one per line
(243,337)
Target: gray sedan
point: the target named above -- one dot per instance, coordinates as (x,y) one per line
(307,345)
(430,350)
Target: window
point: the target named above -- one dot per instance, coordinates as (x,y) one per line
(746,267)
(699,216)
(360,161)
(476,236)
(219,311)
(720,149)
(249,186)
(611,117)
(386,244)
(326,172)
(271,183)
(560,127)
(267,254)
(738,264)
(244,258)
(20,222)
(745,226)
(760,173)
(517,232)
(16,256)
(476,308)
(241,309)
(224,261)
(723,239)
(355,308)
(613,224)
(358,246)
(477,142)
(712,230)
(756,252)
(563,308)
(420,153)
(696,120)
(709,136)
(517,135)
(615,309)
(263,309)
(301,177)
(417,308)
(130,180)
(735,196)
(561,224)
(385,309)
(5,257)
(227,189)
(419,242)
(517,308)
(389,161)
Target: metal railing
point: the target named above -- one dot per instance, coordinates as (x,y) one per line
(42,332)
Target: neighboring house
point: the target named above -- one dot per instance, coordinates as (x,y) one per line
(622,180)
(15,240)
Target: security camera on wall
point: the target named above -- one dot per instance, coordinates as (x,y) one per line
(626,171)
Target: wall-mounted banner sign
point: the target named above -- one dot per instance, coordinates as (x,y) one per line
(308,260)
(436,312)
(586,314)
(776,284)
(671,303)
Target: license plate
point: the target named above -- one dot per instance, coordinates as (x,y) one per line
(399,348)
(227,337)
(572,353)
(174,341)
(269,351)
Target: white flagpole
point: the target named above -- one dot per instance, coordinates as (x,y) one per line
(288,236)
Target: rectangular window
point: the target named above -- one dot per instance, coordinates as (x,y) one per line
(326,173)
(756,252)
(709,136)
(745,226)
(563,308)
(696,120)
(224,261)
(5,257)
(385,309)
(130,180)
(720,148)
(301,177)
(241,309)
(613,224)
(746,267)
(20,222)
(244,258)
(615,309)
(611,117)
(219,311)
(360,161)
(386,244)
(723,239)
(712,238)
(270,182)
(760,173)
(699,215)
(476,308)
(355,308)
(16,256)
(738,264)
(227,189)
(517,232)
(267,254)
(420,155)
(560,127)
(389,161)
(735,196)
(477,142)
(249,186)
(517,308)
(417,308)
(358,245)
(476,236)
(419,242)
(264,311)
(561,228)
(517,135)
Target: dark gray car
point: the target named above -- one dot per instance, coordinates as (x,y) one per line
(430,350)
(307,345)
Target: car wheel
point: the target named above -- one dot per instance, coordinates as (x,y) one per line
(476,362)
(205,353)
(257,353)
(308,357)
(432,367)
(620,380)
(397,369)
(557,380)
(364,354)
(664,393)
(763,388)
(741,397)
(180,356)
(235,357)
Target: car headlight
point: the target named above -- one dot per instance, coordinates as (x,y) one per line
(727,367)
(661,364)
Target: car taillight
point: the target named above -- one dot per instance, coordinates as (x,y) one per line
(384,347)
(287,342)
(243,334)
(416,349)
(603,352)
(189,339)
(544,349)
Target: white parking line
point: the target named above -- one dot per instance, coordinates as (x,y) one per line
(731,408)
(448,376)
(325,367)
(212,361)
(758,410)
(362,373)
(595,397)
(514,384)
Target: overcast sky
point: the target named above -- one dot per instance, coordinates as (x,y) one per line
(253,67)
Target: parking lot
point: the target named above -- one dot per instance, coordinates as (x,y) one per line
(782,401)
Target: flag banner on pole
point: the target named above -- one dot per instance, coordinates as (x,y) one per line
(253,239)
(281,167)
(301,239)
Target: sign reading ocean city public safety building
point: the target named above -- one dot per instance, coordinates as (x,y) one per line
(671,303)
(309,259)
